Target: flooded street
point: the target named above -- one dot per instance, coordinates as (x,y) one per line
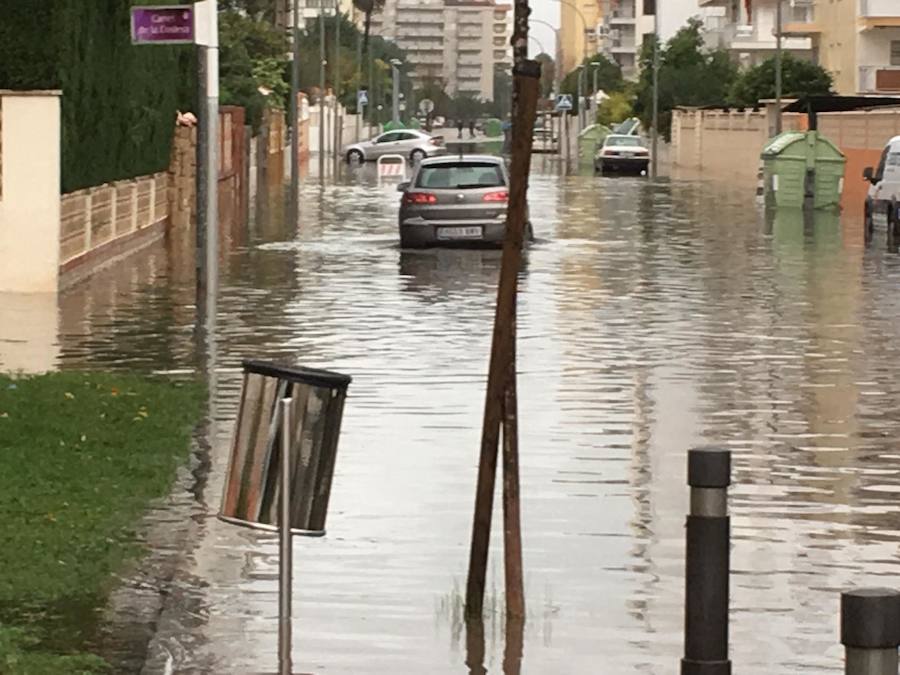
(653,317)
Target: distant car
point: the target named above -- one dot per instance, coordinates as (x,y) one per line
(623,154)
(410,143)
(456,201)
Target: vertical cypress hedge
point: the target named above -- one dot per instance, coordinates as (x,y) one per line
(119,100)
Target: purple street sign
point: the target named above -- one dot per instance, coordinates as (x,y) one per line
(162,25)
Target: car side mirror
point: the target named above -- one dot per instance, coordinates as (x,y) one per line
(869,174)
(403,187)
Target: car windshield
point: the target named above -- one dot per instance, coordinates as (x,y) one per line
(460,176)
(615,141)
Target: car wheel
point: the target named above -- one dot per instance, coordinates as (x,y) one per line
(417,156)
(355,156)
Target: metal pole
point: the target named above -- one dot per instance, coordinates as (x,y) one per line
(395,76)
(778,28)
(359,109)
(285,557)
(654,136)
(870,631)
(322,62)
(208,149)
(707,564)
(580,101)
(337,88)
(295,114)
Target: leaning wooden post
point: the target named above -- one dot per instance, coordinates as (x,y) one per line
(500,401)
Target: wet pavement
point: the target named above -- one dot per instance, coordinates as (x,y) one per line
(653,317)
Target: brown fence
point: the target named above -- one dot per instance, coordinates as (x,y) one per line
(100,223)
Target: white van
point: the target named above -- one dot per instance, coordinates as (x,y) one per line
(883,199)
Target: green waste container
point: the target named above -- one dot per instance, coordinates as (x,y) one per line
(803,168)
(589,141)
(493,128)
(393,126)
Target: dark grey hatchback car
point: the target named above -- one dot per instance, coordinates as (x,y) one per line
(456,201)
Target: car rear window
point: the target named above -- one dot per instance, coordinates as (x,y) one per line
(624,140)
(460,176)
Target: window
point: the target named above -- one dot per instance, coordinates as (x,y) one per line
(622,141)
(895,52)
(459,176)
(406,136)
(388,138)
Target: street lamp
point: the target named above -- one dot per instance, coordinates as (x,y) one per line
(395,78)
(580,15)
(595,67)
(558,56)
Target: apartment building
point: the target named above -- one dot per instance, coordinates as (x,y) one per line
(309,10)
(747,29)
(617,28)
(457,42)
(624,25)
(857,41)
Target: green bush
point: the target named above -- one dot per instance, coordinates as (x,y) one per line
(119,100)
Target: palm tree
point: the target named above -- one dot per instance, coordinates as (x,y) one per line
(367,7)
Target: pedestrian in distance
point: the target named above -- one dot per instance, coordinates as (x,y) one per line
(459,126)
(471,128)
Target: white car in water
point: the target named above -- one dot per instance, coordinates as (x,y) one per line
(412,144)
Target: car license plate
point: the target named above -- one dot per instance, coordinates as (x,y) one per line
(627,154)
(459,233)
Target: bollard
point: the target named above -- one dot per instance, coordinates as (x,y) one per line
(706,564)
(870,631)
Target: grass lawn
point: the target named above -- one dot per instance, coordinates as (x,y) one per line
(81,456)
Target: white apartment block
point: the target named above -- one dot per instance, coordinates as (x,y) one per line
(310,11)
(455,42)
(750,37)
(625,23)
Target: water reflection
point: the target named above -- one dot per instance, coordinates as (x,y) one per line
(653,316)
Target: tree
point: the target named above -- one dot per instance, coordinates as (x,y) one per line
(689,75)
(367,7)
(501,106)
(252,55)
(548,74)
(617,108)
(609,77)
(798,78)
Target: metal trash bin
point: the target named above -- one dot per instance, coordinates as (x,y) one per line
(251,495)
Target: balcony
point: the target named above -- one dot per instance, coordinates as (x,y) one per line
(879,79)
(622,13)
(799,19)
(879,14)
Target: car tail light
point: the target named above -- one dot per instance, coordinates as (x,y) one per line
(498,196)
(436,141)
(641,152)
(611,153)
(419,198)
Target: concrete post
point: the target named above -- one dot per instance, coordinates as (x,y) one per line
(707,563)
(870,631)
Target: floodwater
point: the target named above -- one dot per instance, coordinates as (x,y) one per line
(653,317)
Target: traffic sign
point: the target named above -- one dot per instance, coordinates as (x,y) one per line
(564,102)
(362,97)
(426,105)
(162,25)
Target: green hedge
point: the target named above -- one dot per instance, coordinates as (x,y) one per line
(119,101)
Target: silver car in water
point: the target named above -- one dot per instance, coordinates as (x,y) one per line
(456,201)
(409,143)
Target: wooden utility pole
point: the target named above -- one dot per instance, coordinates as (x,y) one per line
(500,403)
